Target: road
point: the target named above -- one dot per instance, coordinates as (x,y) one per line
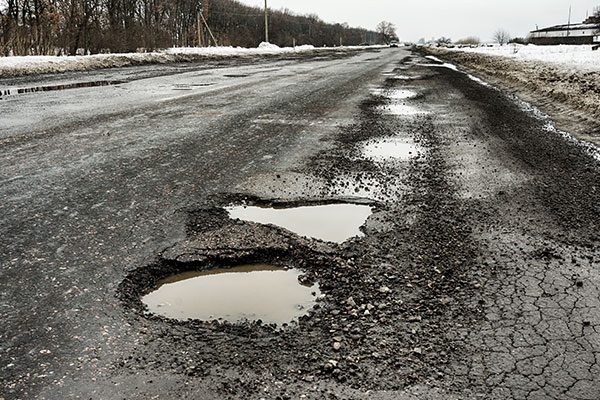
(477,276)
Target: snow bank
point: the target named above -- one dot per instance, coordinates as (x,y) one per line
(267,45)
(581,58)
(14,66)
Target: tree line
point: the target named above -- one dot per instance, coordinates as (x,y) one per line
(48,27)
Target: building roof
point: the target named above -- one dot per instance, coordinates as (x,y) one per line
(569,27)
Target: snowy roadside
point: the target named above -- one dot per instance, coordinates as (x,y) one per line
(28,65)
(563,81)
(578,58)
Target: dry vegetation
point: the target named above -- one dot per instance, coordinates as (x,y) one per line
(51,27)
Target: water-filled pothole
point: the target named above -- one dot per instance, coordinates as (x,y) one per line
(253,292)
(390,149)
(64,86)
(397,94)
(330,222)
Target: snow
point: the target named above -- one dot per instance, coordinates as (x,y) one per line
(581,58)
(20,65)
(267,45)
(454,68)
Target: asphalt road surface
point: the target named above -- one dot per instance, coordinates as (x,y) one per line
(477,276)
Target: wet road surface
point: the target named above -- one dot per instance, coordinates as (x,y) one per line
(477,275)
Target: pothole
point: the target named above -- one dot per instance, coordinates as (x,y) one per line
(64,86)
(254,292)
(397,94)
(387,149)
(401,110)
(330,222)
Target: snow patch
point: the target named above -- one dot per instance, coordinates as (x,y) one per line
(267,45)
(434,58)
(454,68)
(580,57)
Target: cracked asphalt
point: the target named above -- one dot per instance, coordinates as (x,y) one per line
(477,277)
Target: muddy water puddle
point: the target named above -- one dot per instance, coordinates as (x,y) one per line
(253,292)
(388,149)
(331,222)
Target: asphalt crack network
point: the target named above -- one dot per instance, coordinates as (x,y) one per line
(539,337)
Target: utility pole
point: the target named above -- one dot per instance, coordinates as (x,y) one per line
(199,24)
(569,25)
(209,31)
(266,23)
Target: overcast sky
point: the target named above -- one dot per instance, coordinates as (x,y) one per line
(415,19)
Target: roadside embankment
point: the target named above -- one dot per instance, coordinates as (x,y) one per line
(569,94)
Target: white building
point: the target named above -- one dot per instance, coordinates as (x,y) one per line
(585,33)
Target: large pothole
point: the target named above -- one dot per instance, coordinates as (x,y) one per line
(335,223)
(255,292)
(229,288)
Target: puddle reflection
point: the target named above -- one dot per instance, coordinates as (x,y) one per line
(331,223)
(253,292)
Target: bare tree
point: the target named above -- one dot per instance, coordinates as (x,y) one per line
(387,31)
(502,37)
(73,26)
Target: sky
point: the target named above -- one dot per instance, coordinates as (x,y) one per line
(415,19)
